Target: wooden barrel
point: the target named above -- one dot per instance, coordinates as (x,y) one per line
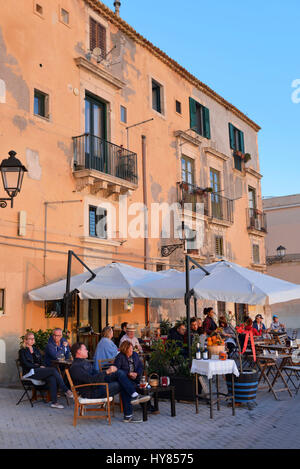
(245,386)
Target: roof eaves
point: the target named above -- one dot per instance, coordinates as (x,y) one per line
(108,14)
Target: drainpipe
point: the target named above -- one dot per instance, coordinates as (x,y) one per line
(145,202)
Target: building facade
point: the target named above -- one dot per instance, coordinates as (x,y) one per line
(283,250)
(103,119)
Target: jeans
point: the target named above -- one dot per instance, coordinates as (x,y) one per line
(127,387)
(53,380)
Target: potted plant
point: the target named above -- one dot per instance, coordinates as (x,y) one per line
(245,385)
(247,157)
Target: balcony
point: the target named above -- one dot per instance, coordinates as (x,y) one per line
(256,221)
(103,165)
(215,206)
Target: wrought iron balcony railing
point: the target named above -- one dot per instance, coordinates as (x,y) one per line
(92,152)
(214,205)
(256,220)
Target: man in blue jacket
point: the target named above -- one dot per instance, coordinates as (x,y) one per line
(57,347)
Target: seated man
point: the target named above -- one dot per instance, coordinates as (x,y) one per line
(82,372)
(57,347)
(276,325)
(177,334)
(194,329)
(259,325)
(130,336)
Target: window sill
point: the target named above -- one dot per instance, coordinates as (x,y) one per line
(103,242)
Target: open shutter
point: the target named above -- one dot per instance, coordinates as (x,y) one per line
(101,39)
(206,121)
(231,137)
(193,114)
(241,141)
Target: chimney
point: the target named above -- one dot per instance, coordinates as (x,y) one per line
(117,5)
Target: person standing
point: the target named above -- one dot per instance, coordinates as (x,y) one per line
(32,365)
(209,325)
(57,347)
(123,332)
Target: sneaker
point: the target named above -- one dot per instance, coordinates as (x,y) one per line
(56,405)
(132,419)
(139,399)
(69,394)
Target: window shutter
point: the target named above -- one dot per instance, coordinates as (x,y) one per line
(193,114)
(241,141)
(93,34)
(219,245)
(97,36)
(231,137)
(206,121)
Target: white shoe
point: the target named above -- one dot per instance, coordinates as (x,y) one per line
(56,405)
(69,394)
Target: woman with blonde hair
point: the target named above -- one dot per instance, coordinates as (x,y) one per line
(106,349)
(32,365)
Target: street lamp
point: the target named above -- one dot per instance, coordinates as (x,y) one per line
(281,251)
(12,172)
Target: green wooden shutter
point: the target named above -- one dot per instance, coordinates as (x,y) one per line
(206,122)
(193,114)
(231,137)
(241,141)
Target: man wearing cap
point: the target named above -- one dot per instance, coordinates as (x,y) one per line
(130,330)
(259,325)
(276,325)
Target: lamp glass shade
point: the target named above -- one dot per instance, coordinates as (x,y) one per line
(12,172)
(281,251)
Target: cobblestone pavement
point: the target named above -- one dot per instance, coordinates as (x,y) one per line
(272,424)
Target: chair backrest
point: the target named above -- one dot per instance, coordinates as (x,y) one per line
(73,389)
(104,364)
(282,339)
(19,368)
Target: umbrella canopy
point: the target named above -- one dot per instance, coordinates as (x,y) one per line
(56,291)
(231,282)
(169,286)
(116,281)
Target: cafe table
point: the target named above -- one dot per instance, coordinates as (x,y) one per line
(211,368)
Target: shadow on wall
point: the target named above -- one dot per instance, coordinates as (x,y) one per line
(9,347)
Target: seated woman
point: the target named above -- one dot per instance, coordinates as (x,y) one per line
(228,334)
(32,362)
(106,348)
(129,361)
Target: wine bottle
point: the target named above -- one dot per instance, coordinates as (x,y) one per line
(205,353)
(198,352)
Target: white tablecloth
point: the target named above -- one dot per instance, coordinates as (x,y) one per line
(210,368)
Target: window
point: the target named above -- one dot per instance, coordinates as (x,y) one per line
(41,104)
(156,96)
(97,37)
(252,198)
(160,267)
(1,301)
(255,251)
(123,114)
(187,170)
(199,118)
(219,246)
(97,222)
(191,240)
(236,140)
(64,15)
(178,107)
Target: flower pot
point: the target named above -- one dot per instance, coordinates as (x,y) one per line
(215,349)
(245,386)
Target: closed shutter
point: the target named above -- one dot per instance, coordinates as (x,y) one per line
(193,114)
(206,121)
(231,137)
(97,36)
(219,246)
(255,248)
(241,141)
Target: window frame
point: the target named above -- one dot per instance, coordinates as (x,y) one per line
(219,246)
(256,260)
(61,16)
(41,94)
(180,107)
(100,42)
(126,115)
(2,301)
(187,160)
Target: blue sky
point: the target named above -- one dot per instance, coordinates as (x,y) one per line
(246,51)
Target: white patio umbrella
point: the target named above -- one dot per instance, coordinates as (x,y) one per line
(56,290)
(116,281)
(231,282)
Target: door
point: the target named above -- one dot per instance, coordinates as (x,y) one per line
(96,156)
(215,184)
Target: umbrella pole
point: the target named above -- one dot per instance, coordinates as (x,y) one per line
(187,304)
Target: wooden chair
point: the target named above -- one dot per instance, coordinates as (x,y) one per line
(103,365)
(33,386)
(293,370)
(82,404)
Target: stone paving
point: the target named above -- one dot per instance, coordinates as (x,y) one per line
(272,424)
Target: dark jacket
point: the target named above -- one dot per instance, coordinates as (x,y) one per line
(174,335)
(30,360)
(255,326)
(209,325)
(121,362)
(82,372)
(52,351)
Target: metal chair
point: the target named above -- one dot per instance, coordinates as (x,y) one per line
(29,386)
